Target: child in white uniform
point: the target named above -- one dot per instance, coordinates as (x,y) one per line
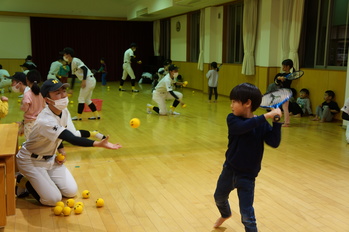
(129,57)
(164,91)
(45,177)
(88,83)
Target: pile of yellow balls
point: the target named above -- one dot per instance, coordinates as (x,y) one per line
(66,209)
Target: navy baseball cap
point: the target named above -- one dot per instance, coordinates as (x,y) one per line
(19,76)
(67,50)
(173,67)
(51,85)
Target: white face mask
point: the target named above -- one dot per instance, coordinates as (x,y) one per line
(175,75)
(14,89)
(65,58)
(61,104)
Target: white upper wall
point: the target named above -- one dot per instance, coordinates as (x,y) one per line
(179,38)
(15,40)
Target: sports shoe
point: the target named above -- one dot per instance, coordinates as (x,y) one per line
(121,89)
(174,112)
(75,118)
(94,118)
(149,108)
(97,135)
(21,191)
(135,90)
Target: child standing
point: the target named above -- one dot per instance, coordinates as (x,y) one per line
(88,83)
(282,82)
(32,103)
(247,134)
(326,111)
(63,72)
(103,70)
(212,76)
(302,105)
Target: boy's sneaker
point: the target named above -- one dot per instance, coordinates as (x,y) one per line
(21,191)
(135,90)
(149,108)
(98,135)
(75,118)
(121,89)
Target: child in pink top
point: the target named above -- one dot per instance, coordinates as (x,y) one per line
(32,103)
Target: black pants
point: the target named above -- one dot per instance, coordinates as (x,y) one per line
(210,90)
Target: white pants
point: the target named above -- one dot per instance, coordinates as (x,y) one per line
(85,94)
(127,71)
(5,83)
(49,179)
(161,97)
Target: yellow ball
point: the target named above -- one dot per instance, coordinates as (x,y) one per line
(80,203)
(58,210)
(71,102)
(135,122)
(85,194)
(185,105)
(19,101)
(60,203)
(66,211)
(108,86)
(193,92)
(99,202)
(60,157)
(70,203)
(78,209)
(69,94)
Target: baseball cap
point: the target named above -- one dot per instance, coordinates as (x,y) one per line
(173,67)
(19,76)
(67,50)
(51,85)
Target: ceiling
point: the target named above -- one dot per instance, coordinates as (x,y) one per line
(138,10)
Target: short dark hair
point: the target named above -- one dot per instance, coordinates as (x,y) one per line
(133,45)
(288,62)
(214,64)
(246,91)
(330,93)
(304,90)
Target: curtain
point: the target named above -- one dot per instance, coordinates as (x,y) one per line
(295,31)
(287,6)
(249,30)
(202,40)
(91,40)
(156,37)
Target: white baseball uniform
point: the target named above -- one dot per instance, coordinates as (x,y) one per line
(49,179)
(161,93)
(85,94)
(127,65)
(54,68)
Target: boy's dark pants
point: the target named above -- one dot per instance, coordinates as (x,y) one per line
(227,182)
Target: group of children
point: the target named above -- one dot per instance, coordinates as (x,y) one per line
(42,174)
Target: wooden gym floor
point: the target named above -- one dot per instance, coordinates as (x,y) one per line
(164,177)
